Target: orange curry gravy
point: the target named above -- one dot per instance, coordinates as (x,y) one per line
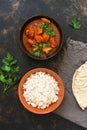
(41,37)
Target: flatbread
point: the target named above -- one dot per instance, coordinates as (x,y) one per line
(79,85)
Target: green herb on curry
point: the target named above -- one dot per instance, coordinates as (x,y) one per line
(48,30)
(38,49)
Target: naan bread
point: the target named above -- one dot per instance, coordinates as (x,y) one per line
(79,85)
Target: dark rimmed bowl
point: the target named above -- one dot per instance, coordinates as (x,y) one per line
(22,31)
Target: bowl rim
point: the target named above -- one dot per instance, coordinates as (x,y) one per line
(53,106)
(26,22)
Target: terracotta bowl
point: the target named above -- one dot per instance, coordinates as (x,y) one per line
(51,107)
(59,40)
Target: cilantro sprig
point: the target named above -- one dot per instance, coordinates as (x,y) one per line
(9,72)
(75,24)
(37,52)
(48,30)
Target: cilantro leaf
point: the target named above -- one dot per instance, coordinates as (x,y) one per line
(5,68)
(15,69)
(37,52)
(41,45)
(48,30)
(2,78)
(44,25)
(75,24)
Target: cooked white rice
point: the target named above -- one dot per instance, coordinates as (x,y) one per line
(41,90)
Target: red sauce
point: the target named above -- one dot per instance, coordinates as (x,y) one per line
(41,37)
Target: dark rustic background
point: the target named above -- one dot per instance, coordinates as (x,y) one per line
(13,13)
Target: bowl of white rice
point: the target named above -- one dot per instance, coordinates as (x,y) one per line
(41,90)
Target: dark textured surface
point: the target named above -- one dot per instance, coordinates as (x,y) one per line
(12,15)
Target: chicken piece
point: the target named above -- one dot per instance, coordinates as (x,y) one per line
(39,38)
(47,49)
(39,30)
(45,20)
(45,37)
(30,32)
(31,42)
(53,42)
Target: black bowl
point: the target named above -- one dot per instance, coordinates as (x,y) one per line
(21,37)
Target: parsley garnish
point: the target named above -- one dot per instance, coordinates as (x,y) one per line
(37,52)
(75,24)
(41,45)
(9,72)
(44,25)
(48,30)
